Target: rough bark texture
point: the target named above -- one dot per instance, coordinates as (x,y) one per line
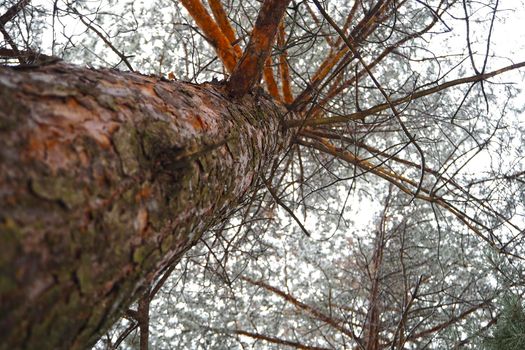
(105,179)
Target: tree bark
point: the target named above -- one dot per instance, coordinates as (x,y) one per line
(250,67)
(107,178)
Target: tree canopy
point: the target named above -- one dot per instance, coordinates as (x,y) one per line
(395,220)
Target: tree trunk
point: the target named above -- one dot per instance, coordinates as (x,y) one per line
(106,178)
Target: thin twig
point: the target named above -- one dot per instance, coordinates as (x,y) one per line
(284,206)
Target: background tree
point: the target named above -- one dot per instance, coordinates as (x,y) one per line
(383,104)
(509,330)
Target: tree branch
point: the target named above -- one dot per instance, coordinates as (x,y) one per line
(248,72)
(6,17)
(224,23)
(413,96)
(13,11)
(283,67)
(216,37)
(271,84)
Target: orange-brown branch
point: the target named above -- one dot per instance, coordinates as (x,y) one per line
(363,29)
(224,23)
(413,96)
(283,67)
(213,32)
(323,136)
(403,183)
(269,78)
(340,85)
(249,70)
